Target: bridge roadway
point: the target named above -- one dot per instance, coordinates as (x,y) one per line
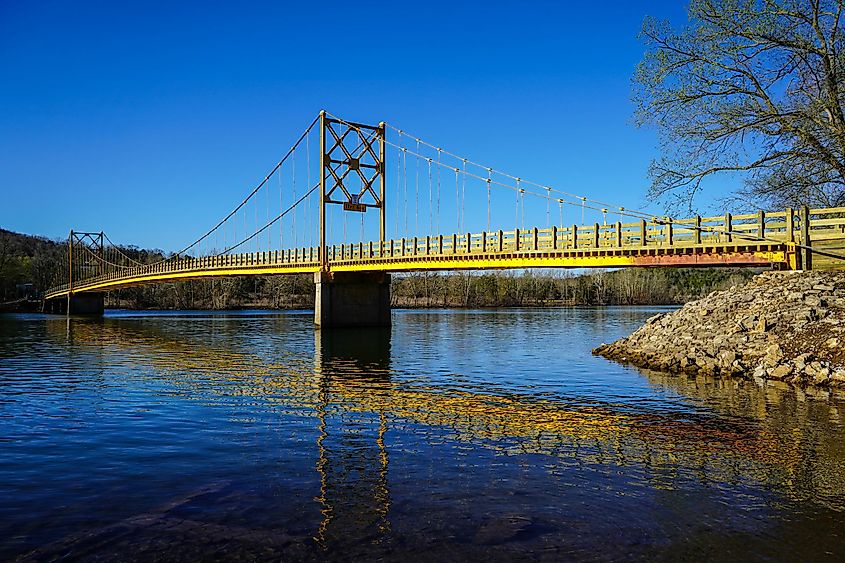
(759,239)
(605,246)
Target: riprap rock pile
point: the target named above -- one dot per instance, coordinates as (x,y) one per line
(788,326)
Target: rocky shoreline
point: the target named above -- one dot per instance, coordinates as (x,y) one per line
(783,326)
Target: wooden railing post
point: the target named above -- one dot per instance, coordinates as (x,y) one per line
(574,236)
(439,244)
(728,227)
(643,233)
(483,241)
(595,235)
(516,239)
(669,233)
(806,253)
(761,224)
(790,225)
(618,234)
(554,237)
(536,241)
(697,229)
(469,243)
(501,241)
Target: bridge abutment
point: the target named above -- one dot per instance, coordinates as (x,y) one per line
(351,299)
(80,304)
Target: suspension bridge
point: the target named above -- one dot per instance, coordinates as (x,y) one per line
(323,210)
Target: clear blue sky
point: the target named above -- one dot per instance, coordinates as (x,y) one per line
(151,121)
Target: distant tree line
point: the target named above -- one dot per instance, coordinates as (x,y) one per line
(472,289)
(30,264)
(634,286)
(267,292)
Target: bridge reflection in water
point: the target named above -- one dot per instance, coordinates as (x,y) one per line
(357,398)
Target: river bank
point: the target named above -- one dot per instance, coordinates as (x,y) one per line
(783,326)
(21,306)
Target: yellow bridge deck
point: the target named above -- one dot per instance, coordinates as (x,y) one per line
(759,239)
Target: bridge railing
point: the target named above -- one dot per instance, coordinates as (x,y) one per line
(824,229)
(755,229)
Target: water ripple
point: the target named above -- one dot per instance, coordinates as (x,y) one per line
(455,434)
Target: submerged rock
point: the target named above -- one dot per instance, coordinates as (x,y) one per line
(784,326)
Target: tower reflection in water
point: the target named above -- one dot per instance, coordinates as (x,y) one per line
(353,460)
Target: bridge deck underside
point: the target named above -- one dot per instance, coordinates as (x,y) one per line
(264,264)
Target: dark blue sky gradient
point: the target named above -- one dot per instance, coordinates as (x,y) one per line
(151,121)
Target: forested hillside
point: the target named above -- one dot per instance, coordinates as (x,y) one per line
(26,259)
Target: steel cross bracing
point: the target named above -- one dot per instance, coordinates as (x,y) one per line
(351,176)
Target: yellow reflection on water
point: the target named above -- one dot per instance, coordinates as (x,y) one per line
(751,433)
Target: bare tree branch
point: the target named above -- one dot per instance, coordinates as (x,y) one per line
(752,88)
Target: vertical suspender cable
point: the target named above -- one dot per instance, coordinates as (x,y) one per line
(464,195)
(417,195)
(437,213)
(255,206)
(430,198)
(399,153)
(489,182)
(405,183)
(295,235)
(522,196)
(457,202)
(310,232)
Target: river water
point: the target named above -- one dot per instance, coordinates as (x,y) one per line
(456,435)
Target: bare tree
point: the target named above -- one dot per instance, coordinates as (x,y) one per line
(754,87)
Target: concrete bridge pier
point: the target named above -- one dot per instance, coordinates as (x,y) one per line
(351,299)
(88,303)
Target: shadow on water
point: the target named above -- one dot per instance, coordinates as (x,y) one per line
(385,462)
